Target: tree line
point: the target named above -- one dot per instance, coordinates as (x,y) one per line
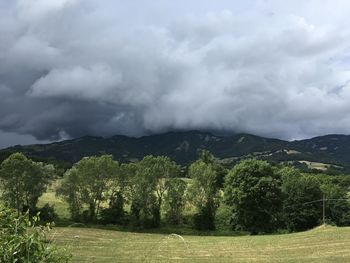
(253,196)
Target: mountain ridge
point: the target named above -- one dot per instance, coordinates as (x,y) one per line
(184,147)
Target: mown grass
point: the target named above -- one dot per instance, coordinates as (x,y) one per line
(107,244)
(323,244)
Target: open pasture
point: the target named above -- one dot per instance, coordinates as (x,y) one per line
(323,244)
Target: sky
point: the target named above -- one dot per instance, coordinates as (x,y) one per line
(70,68)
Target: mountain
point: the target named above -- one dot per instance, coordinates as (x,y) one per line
(183,147)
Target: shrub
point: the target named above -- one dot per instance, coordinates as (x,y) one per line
(223,217)
(47,213)
(21,241)
(115,213)
(299,191)
(205,218)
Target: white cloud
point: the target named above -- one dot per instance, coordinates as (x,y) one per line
(97,82)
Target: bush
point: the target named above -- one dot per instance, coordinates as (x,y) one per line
(47,213)
(205,218)
(23,242)
(300,212)
(223,217)
(84,217)
(115,213)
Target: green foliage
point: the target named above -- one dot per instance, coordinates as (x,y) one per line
(47,213)
(175,200)
(258,197)
(24,181)
(115,213)
(299,193)
(219,169)
(337,208)
(147,186)
(21,241)
(70,190)
(223,217)
(142,187)
(163,169)
(252,189)
(204,194)
(88,183)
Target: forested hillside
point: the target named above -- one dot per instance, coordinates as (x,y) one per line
(183,147)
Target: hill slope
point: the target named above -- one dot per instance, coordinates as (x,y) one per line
(324,244)
(183,147)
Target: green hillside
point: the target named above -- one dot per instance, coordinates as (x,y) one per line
(321,245)
(183,147)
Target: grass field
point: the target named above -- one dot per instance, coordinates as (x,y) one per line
(60,206)
(323,244)
(320,166)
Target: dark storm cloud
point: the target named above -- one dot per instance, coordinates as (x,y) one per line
(72,67)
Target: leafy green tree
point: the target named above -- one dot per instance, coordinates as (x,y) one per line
(142,186)
(128,178)
(162,168)
(37,183)
(88,183)
(219,169)
(252,190)
(70,191)
(115,213)
(301,195)
(147,188)
(204,194)
(24,181)
(21,241)
(175,200)
(337,205)
(119,193)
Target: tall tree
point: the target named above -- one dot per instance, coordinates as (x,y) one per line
(252,189)
(163,169)
(88,182)
(337,207)
(219,169)
(70,190)
(115,213)
(148,186)
(142,186)
(301,193)
(175,200)
(203,193)
(23,181)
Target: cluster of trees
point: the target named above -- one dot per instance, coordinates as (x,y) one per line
(252,196)
(147,188)
(264,198)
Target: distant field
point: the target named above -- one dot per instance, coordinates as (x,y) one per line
(61,207)
(324,244)
(319,166)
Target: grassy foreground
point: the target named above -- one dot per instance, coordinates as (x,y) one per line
(323,244)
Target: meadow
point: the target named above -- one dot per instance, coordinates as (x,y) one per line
(322,244)
(117,244)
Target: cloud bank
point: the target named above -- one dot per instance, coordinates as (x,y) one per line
(72,67)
